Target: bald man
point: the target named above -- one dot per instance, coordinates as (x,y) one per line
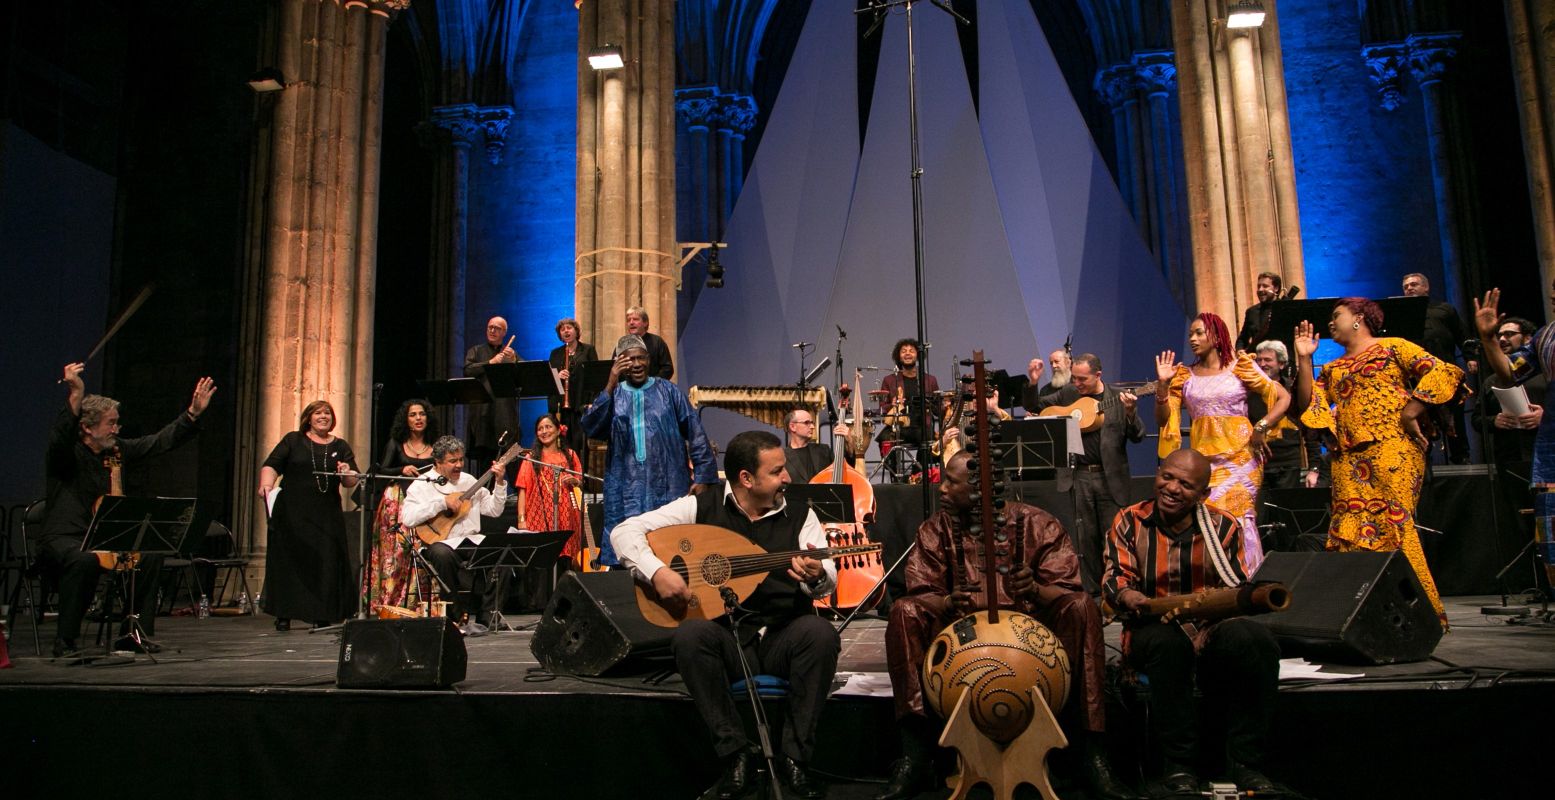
(488,422)
(1235,663)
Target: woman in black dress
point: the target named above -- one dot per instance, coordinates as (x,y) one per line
(307,567)
(386,581)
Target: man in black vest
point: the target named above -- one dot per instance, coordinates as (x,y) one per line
(796,644)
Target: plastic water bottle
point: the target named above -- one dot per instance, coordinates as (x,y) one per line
(244,604)
(205,607)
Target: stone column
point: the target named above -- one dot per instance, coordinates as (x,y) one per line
(316,274)
(1385,64)
(1157,78)
(1115,86)
(696,110)
(736,117)
(1531,28)
(626,245)
(1237,159)
(1430,55)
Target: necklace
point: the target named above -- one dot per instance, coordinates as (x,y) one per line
(316,456)
(418,452)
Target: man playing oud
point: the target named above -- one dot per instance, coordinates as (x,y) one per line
(781,636)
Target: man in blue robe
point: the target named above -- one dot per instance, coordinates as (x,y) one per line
(649,425)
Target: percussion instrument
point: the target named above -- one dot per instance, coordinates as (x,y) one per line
(767,404)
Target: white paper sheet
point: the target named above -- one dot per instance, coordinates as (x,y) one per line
(270,500)
(1513,401)
(865,684)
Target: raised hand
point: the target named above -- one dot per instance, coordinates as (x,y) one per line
(1034,370)
(1306,339)
(72,375)
(1487,317)
(203,389)
(1165,366)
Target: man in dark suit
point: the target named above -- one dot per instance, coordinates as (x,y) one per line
(1255,323)
(570,356)
(1098,479)
(489,421)
(1443,336)
(1059,359)
(660,363)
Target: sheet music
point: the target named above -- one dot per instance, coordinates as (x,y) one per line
(1513,401)
(270,501)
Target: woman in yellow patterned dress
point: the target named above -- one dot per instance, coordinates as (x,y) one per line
(1371,399)
(1215,391)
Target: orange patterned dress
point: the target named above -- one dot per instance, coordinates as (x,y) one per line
(1377,470)
(544,508)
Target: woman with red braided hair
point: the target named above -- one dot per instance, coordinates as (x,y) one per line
(1215,390)
(1371,399)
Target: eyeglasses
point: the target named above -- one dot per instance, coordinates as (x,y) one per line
(1507,334)
(804,422)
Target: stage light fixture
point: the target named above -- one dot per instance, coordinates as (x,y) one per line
(715,271)
(268,79)
(1245,14)
(606,57)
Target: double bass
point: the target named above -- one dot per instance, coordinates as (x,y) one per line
(858,576)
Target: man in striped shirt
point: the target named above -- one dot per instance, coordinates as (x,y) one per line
(1175,544)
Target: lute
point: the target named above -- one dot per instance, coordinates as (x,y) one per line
(710,558)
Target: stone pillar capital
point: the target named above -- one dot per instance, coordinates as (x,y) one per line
(697,105)
(494,122)
(737,113)
(1385,63)
(1156,72)
(1431,54)
(466,124)
(383,8)
(1115,85)
(457,122)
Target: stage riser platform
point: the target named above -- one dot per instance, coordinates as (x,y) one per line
(128,742)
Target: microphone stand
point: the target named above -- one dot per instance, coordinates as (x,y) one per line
(763,732)
(879,7)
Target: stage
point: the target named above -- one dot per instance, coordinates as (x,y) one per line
(234,707)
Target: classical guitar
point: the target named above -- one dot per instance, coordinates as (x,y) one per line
(710,558)
(437,528)
(108,559)
(1089,412)
(587,557)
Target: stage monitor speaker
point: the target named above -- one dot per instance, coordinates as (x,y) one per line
(592,624)
(401,654)
(1354,608)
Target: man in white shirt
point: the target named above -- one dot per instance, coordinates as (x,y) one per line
(428,498)
(782,636)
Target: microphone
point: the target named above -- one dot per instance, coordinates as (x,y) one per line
(1291,292)
(841,334)
(1068,342)
(801,345)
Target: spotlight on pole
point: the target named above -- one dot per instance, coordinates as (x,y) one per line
(1245,14)
(606,57)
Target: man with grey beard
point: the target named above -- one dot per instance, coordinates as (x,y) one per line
(1059,359)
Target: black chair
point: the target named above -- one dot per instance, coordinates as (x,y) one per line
(210,572)
(31,586)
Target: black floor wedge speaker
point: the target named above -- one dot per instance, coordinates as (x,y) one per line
(1352,608)
(592,625)
(401,654)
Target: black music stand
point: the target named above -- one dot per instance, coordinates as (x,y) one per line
(1294,519)
(509,551)
(154,526)
(1034,447)
(454,391)
(1403,317)
(524,380)
(592,378)
(831,502)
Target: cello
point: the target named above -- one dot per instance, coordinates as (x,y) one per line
(858,576)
